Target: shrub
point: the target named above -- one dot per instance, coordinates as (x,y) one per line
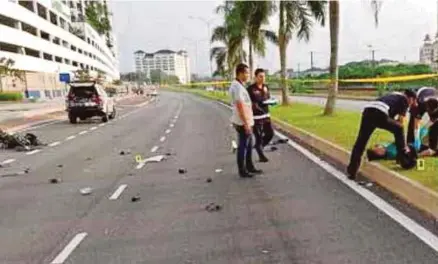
(11,96)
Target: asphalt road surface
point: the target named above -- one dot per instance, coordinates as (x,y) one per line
(353,105)
(297,212)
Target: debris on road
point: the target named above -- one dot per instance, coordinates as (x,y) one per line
(88,158)
(60,166)
(12,174)
(212,207)
(274,148)
(218,170)
(135,198)
(157,158)
(182,171)
(55,180)
(265,251)
(19,142)
(86,191)
(122,152)
(282,141)
(209,180)
(233,146)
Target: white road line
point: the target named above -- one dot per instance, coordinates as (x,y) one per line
(83,132)
(162,139)
(63,255)
(93,128)
(33,152)
(140,165)
(101,125)
(70,137)
(168,131)
(171,125)
(56,143)
(118,192)
(155,148)
(8,161)
(416,229)
(176,117)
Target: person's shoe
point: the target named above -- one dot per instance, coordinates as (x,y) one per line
(245,174)
(263,159)
(255,171)
(351,173)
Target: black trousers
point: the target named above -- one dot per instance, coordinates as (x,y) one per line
(433,136)
(244,150)
(419,110)
(372,119)
(263,133)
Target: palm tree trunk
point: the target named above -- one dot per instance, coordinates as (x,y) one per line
(282,43)
(334,39)
(250,58)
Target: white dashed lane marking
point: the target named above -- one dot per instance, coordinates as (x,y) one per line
(8,161)
(168,131)
(63,255)
(83,132)
(155,148)
(171,125)
(33,152)
(93,128)
(162,139)
(56,143)
(118,192)
(140,165)
(70,137)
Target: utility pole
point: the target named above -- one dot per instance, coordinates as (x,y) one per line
(311,60)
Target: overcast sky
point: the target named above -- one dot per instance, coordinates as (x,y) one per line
(154,25)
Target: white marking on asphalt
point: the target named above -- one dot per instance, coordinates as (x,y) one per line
(56,143)
(101,125)
(93,128)
(162,139)
(83,132)
(70,137)
(63,255)
(140,165)
(168,131)
(233,144)
(176,117)
(33,151)
(8,161)
(171,125)
(119,191)
(416,229)
(155,148)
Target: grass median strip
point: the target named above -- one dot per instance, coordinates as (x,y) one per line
(340,129)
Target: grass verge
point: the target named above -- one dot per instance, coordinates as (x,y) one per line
(340,129)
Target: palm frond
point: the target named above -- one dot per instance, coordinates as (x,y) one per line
(220,33)
(319,10)
(270,36)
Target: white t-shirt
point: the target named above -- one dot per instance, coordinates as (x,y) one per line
(239,93)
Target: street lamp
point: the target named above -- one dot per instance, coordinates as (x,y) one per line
(196,51)
(208,23)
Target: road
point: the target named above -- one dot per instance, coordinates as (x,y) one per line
(297,212)
(354,105)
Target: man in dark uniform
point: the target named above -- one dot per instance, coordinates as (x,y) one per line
(262,129)
(417,112)
(431,106)
(381,114)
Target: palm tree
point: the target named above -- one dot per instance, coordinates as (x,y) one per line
(334,41)
(296,16)
(7,70)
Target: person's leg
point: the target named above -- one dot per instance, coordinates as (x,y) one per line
(433,136)
(367,127)
(258,146)
(396,129)
(241,150)
(411,125)
(268,132)
(248,157)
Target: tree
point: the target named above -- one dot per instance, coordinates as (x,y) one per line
(97,17)
(6,69)
(334,40)
(296,17)
(82,75)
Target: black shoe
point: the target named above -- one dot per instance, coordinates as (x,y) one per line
(246,174)
(351,173)
(263,159)
(255,171)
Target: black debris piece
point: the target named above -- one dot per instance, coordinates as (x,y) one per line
(274,148)
(60,166)
(282,141)
(182,171)
(26,170)
(168,154)
(135,198)
(55,180)
(212,207)
(19,142)
(209,180)
(122,152)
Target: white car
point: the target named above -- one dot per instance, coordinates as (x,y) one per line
(88,99)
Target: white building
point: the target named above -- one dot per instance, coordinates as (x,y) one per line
(429,50)
(168,61)
(51,37)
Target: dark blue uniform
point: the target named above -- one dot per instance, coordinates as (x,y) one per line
(418,112)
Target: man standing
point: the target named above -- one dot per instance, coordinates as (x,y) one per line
(381,114)
(242,119)
(263,131)
(417,112)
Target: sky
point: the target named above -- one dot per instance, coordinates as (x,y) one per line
(155,25)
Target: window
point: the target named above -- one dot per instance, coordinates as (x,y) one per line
(7,21)
(67,61)
(65,43)
(31,52)
(73,48)
(58,59)
(9,47)
(75,64)
(53,18)
(26,4)
(28,28)
(80,51)
(42,11)
(57,41)
(47,56)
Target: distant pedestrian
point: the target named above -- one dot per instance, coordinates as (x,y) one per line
(242,119)
(381,114)
(263,131)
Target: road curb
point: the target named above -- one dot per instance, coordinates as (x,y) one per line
(410,191)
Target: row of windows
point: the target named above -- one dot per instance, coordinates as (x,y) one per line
(42,55)
(53,18)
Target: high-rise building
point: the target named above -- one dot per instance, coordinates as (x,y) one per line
(168,61)
(48,37)
(429,49)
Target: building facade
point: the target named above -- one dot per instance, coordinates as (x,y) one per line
(49,37)
(167,61)
(429,50)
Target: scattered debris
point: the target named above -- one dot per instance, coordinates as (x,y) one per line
(369,184)
(86,191)
(274,148)
(218,170)
(233,146)
(122,152)
(282,141)
(157,158)
(182,171)
(27,170)
(19,142)
(88,158)
(55,180)
(135,198)
(168,154)
(265,251)
(365,183)
(209,180)
(212,207)
(130,174)
(60,166)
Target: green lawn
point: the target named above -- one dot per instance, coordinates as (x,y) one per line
(340,129)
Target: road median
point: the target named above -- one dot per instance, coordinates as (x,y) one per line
(330,138)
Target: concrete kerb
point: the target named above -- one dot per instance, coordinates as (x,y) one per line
(410,191)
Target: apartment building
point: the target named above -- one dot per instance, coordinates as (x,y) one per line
(48,37)
(168,61)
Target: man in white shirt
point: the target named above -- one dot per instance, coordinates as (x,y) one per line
(243,121)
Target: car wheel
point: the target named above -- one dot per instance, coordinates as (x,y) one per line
(105,118)
(73,119)
(82,118)
(113,114)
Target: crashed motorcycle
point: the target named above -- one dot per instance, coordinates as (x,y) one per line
(18,142)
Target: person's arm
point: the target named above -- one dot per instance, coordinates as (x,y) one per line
(240,106)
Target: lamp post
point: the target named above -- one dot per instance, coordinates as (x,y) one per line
(208,23)
(196,51)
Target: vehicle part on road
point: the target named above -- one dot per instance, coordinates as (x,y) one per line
(182,171)
(135,198)
(19,142)
(218,170)
(86,191)
(282,141)
(55,180)
(60,166)
(209,180)
(105,118)
(212,207)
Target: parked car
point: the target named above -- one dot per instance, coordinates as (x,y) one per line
(89,99)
